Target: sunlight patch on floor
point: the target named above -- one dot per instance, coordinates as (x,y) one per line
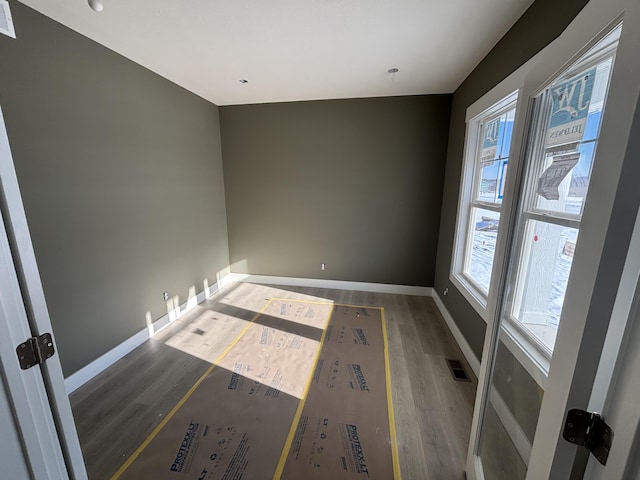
(275,346)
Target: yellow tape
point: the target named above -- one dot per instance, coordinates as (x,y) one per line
(186,396)
(298,414)
(314,302)
(296,417)
(392,421)
(328,302)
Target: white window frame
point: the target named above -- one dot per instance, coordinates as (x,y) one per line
(527,352)
(525,345)
(536,364)
(477,115)
(578,333)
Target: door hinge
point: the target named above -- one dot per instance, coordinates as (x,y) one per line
(35,351)
(589,430)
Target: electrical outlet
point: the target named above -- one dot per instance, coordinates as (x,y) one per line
(323,266)
(165,296)
(446,291)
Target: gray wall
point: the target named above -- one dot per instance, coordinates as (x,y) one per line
(537,27)
(121,178)
(354,183)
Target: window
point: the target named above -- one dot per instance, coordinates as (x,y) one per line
(565,129)
(482,188)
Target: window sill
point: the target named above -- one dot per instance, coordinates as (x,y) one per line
(526,352)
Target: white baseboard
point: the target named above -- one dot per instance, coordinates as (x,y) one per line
(82,376)
(333,284)
(515,432)
(473,362)
(85,374)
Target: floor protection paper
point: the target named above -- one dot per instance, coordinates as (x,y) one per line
(301,393)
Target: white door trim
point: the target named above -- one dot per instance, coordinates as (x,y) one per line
(619,369)
(27,394)
(54,398)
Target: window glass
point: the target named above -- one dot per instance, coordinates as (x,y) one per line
(494,156)
(573,161)
(548,255)
(491,162)
(484,232)
(488,140)
(559,163)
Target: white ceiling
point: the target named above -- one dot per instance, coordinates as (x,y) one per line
(293,50)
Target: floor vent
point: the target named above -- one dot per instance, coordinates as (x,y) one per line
(457,371)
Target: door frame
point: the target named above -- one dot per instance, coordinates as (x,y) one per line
(621,362)
(582,331)
(41,403)
(26,395)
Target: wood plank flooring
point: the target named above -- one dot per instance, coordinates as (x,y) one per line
(119,408)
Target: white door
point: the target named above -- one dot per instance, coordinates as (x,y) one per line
(11,455)
(39,440)
(619,404)
(565,246)
(23,397)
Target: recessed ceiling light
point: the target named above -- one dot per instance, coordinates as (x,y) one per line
(393,70)
(243,80)
(96,5)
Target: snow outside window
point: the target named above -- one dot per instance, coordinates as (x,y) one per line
(484,174)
